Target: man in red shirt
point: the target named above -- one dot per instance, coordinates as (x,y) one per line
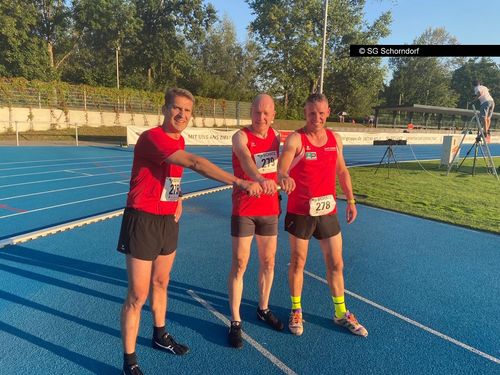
(307,169)
(150,227)
(255,157)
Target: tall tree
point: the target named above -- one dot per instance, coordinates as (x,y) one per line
(106,26)
(224,68)
(290,33)
(423,80)
(484,70)
(169,27)
(54,28)
(23,53)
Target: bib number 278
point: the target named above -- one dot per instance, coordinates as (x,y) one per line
(319,206)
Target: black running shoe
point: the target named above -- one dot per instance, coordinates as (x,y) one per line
(235,338)
(268,317)
(132,370)
(167,343)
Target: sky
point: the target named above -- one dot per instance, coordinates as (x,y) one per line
(410,18)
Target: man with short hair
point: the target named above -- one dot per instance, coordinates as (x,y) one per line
(255,157)
(310,162)
(486,107)
(150,227)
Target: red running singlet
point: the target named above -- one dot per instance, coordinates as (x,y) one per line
(265,154)
(313,170)
(155,185)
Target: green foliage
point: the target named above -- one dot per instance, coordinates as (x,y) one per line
(23,54)
(484,70)
(423,80)
(290,33)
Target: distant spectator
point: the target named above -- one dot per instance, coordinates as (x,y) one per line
(371,120)
(342,115)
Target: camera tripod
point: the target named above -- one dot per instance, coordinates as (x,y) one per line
(389,152)
(479,143)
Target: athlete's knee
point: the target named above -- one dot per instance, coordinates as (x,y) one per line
(238,268)
(160,282)
(267,264)
(135,301)
(297,263)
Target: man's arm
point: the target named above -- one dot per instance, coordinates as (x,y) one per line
(345,182)
(247,163)
(290,149)
(208,169)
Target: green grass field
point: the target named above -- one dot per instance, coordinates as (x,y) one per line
(459,198)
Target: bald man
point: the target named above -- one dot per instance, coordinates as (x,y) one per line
(255,156)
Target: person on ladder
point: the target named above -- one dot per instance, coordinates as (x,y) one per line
(486,108)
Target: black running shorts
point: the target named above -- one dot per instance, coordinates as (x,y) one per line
(246,226)
(305,226)
(145,236)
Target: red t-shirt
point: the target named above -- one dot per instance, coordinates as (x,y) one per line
(265,154)
(313,170)
(155,184)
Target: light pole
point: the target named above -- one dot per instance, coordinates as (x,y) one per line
(322,73)
(117,51)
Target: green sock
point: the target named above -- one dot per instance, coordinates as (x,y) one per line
(296,303)
(339,304)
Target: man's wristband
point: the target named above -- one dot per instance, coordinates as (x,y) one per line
(351,201)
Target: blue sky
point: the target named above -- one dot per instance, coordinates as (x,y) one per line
(469,24)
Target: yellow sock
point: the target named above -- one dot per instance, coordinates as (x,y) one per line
(296,303)
(339,304)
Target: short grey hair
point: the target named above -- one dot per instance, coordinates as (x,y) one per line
(173,92)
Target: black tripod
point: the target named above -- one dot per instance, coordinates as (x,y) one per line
(388,154)
(477,144)
(480,143)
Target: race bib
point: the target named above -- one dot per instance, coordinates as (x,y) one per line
(321,205)
(171,189)
(266,162)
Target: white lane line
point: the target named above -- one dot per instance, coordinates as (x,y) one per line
(63,189)
(62,205)
(84,161)
(80,201)
(95,175)
(73,170)
(266,353)
(58,179)
(412,322)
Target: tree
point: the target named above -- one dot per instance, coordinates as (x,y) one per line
(354,84)
(54,28)
(169,28)
(484,70)
(224,68)
(105,25)
(23,53)
(290,33)
(423,80)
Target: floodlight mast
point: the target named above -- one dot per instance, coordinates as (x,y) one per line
(325,20)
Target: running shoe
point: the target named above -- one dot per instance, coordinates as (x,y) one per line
(295,323)
(268,317)
(235,335)
(350,322)
(167,343)
(132,370)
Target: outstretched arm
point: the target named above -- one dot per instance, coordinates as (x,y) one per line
(208,169)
